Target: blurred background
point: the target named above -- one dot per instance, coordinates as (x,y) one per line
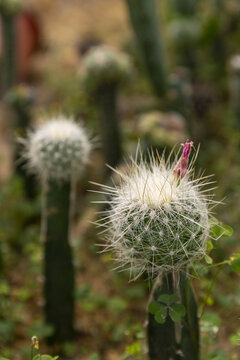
(182,81)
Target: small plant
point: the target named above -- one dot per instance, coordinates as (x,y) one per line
(57,152)
(159,222)
(104,70)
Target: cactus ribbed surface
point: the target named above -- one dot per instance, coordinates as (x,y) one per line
(106,101)
(145,22)
(190,327)
(59,271)
(161,337)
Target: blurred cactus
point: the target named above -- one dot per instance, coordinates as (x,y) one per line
(184,34)
(185,7)
(21,98)
(104,70)
(161,130)
(58,151)
(145,22)
(180,96)
(8,10)
(235,89)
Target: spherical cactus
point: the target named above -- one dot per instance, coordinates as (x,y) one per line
(58,149)
(159,218)
(103,65)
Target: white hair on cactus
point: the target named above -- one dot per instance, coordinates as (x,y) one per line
(58,149)
(158,218)
(103,64)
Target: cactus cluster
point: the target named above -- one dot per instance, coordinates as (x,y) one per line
(58,149)
(104,65)
(157,220)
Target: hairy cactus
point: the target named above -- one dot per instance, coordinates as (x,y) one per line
(104,69)
(145,22)
(8,11)
(57,151)
(159,222)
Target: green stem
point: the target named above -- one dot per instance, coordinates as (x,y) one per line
(161,337)
(106,101)
(145,22)
(9,55)
(59,271)
(209,292)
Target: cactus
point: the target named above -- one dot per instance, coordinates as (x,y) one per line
(235,89)
(8,11)
(184,34)
(145,22)
(21,98)
(185,7)
(158,222)
(57,151)
(104,69)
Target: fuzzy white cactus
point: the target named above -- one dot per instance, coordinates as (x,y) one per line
(58,149)
(102,65)
(159,216)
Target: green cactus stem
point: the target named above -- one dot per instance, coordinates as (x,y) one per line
(162,343)
(190,325)
(59,271)
(106,101)
(145,22)
(9,51)
(20,99)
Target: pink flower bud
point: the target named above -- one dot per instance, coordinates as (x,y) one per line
(181,168)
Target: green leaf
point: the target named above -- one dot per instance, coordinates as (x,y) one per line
(209,245)
(160,315)
(176,312)
(153,307)
(208,259)
(235,263)
(168,299)
(218,229)
(45,357)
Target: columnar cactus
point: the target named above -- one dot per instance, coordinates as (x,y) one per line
(21,98)
(8,11)
(158,223)
(145,22)
(58,151)
(235,88)
(104,69)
